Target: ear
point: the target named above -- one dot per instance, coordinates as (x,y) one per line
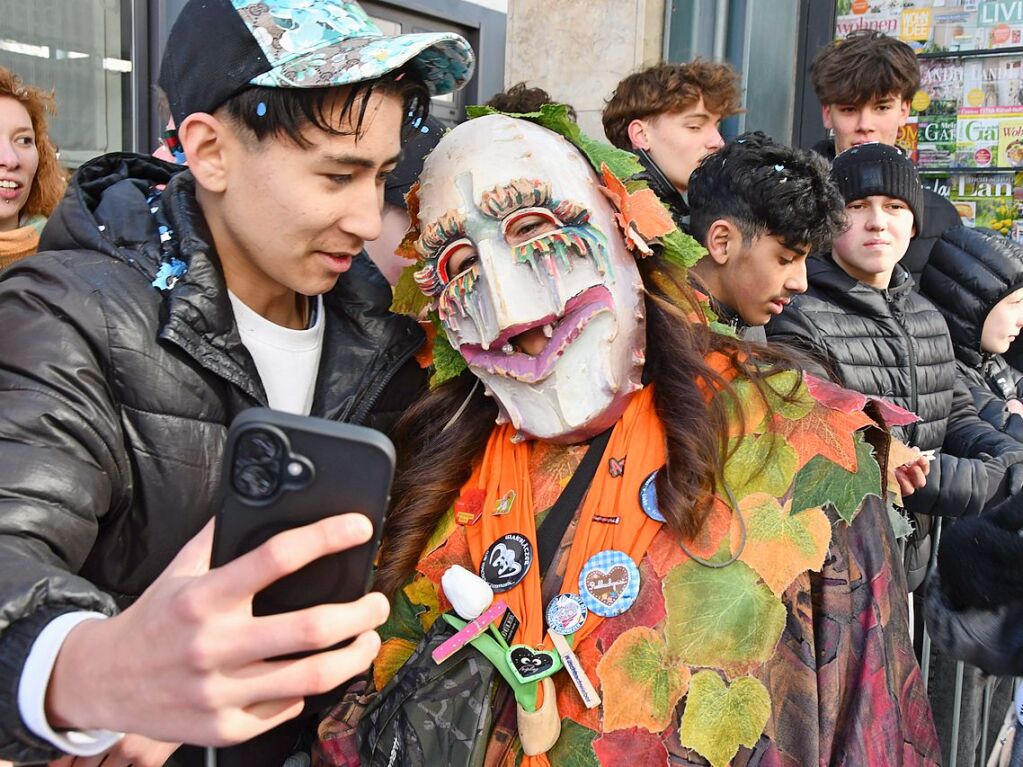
(826,116)
(903,112)
(721,241)
(638,134)
(205,141)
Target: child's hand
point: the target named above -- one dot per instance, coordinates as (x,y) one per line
(1014,406)
(913,475)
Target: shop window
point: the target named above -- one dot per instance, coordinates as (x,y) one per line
(450,108)
(80,50)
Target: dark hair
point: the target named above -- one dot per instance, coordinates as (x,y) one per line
(434,464)
(764,187)
(520,99)
(865,65)
(286,112)
(665,88)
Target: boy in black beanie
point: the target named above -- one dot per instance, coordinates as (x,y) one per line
(863,323)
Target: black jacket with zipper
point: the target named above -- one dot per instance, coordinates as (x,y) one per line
(894,344)
(968,273)
(115,399)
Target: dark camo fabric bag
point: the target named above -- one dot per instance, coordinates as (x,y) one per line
(432,714)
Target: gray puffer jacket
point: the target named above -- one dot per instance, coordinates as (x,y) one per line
(115,397)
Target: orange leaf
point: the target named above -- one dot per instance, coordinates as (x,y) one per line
(781,545)
(391,657)
(641,215)
(823,431)
(665,552)
(423,592)
(454,552)
(407,247)
(641,684)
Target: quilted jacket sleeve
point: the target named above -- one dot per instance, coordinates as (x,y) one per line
(62,458)
(793,329)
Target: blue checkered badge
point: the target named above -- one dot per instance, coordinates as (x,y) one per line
(609,583)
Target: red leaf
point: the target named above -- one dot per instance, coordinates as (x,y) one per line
(455,551)
(634,746)
(648,610)
(834,396)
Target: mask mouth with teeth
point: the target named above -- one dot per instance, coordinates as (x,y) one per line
(530,276)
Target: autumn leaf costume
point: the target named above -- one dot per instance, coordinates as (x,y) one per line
(777,636)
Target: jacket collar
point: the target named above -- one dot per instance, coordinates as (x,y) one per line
(664,189)
(823,274)
(363,343)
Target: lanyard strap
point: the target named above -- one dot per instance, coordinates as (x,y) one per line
(552,530)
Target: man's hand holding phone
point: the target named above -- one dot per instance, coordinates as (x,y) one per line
(186,662)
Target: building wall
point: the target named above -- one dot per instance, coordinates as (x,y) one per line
(579,50)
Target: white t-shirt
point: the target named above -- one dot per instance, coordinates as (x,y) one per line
(287,360)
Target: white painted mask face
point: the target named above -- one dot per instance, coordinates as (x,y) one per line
(533,281)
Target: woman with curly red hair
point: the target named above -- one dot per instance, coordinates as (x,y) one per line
(31,181)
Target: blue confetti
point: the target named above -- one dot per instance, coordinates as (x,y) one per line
(261,109)
(424,129)
(779,168)
(170,272)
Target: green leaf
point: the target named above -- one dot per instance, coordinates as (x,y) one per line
(403,622)
(762,463)
(447,362)
(901,526)
(718,719)
(408,298)
(575,746)
(641,683)
(681,249)
(822,482)
(722,618)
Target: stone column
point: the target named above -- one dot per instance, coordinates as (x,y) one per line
(578,50)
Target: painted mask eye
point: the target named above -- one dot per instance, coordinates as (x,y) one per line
(523,225)
(456,258)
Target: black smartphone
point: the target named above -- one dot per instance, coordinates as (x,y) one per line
(282,471)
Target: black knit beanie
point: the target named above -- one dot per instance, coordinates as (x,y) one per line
(870,169)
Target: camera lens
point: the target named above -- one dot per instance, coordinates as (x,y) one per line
(256,481)
(259,446)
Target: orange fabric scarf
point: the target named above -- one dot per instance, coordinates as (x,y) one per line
(15,244)
(638,439)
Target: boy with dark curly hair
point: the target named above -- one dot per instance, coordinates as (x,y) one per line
(760,209)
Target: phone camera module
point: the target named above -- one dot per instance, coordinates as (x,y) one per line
(256,481)
(259,446)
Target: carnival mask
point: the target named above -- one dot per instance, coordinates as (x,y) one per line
(531,278)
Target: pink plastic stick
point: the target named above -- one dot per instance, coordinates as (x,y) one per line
(472,630)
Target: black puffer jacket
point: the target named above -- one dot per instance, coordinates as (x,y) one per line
(939,216)
(894,344)
(115,399)
(968,273)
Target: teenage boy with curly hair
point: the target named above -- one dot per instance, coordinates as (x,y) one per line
(759,209)
(670,116)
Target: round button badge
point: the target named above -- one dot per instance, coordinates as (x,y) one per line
(648,498)
(566,614)
(609,583)
(506,562)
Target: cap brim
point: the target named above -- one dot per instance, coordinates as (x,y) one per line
(444,60)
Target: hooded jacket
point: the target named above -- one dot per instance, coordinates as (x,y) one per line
(975,597)
(939,216)
(894,344)
(968,273)
(115,398)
